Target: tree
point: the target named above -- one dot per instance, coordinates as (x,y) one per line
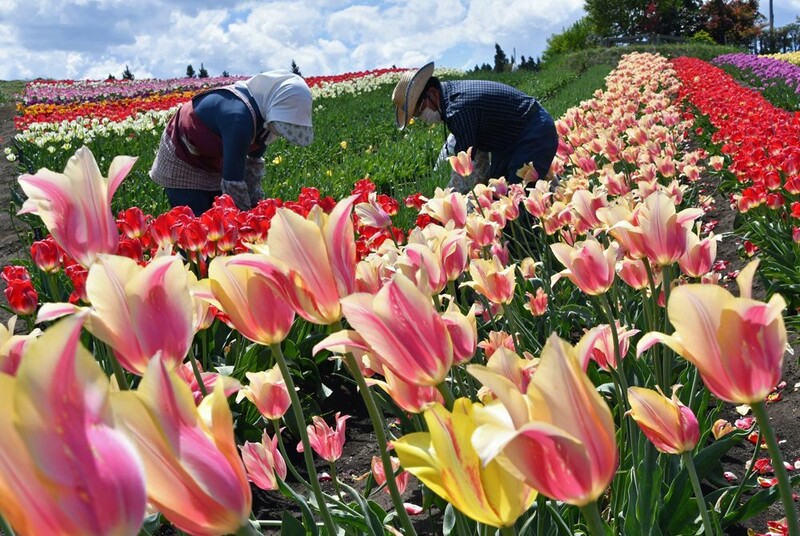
(127,74)
(225,74)
(111,77)
(202,73)
(296,69)
(579,36)
(732,22)
(500,59)
(189,71)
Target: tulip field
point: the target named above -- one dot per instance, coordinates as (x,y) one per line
(519,360)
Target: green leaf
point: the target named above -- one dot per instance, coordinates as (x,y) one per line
(290,526)
(449,521)
(756,504)
(374,526)
(308,516)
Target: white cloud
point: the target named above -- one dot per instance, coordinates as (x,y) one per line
(92,38)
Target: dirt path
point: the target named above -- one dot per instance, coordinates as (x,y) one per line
(10,246)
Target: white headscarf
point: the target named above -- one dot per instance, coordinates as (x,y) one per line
(281,96)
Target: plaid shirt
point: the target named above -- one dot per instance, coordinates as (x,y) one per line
(486,115)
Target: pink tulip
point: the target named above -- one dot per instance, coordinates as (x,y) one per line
(263,462)
(408,396)
(559,435)
(64,468)
(445,207)
(194,474)
(12,346)
(700,255)
(372,214)
(75,206)
(230,385)
(667,423)
(663,230)
(138,311)
(310,261)
(737,344)
(379,474)
(326,441)
(462,163)
(588,265)
(401,328)
(602,349)
(421,264)
(249,299)
(493,280)
(268,392)
(536,304)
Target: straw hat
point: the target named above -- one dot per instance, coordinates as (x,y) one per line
(407,93)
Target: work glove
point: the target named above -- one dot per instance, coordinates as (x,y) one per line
(238,192)
(253,174)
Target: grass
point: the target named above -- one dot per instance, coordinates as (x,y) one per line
(10,90)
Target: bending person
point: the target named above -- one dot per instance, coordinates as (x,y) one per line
(215,142)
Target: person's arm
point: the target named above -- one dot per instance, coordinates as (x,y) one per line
(236,135)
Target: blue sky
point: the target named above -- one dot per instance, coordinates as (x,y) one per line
(159,38)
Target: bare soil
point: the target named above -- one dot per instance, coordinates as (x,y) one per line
(360,445)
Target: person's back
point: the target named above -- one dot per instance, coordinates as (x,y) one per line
(488,114)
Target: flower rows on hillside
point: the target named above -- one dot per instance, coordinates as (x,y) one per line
(766,71)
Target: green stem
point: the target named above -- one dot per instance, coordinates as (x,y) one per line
(119,373)
(784,485)
(197,375)
(335,478)
(508,531)
(698,492)
(669,357)
(380,438)
(248,530)
(449,401)
(308,455)
(592,515)
(282,448)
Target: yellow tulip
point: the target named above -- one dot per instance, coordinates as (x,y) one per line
(445,460)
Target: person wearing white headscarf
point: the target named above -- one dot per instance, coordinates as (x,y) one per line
(215,142)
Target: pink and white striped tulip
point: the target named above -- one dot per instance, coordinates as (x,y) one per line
(138,311)
(559,435)
(402,330)
(12,346)
(64,468)
(588,265)
(667,423)
(249,299)
(462,163)
(263,462)
(194,474)
(311,261)
(268,392)
(737,344)
(492,280)
(75,206)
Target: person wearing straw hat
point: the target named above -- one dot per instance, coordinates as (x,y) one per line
(514,128)
(215,142)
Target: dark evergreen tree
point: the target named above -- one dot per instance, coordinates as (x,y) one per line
(127,74)
(203,73)
(189,71)
(226,74)
(500,59)
(296,69)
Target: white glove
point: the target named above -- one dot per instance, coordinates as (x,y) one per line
(253,174)
(238,191)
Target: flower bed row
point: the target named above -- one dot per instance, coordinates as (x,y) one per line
(529,344)
(758,138)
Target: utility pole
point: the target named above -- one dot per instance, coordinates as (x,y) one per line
(771,29)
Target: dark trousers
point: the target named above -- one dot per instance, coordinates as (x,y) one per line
(537,144)
(197,200)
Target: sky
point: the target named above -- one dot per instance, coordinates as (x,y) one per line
(91,39)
